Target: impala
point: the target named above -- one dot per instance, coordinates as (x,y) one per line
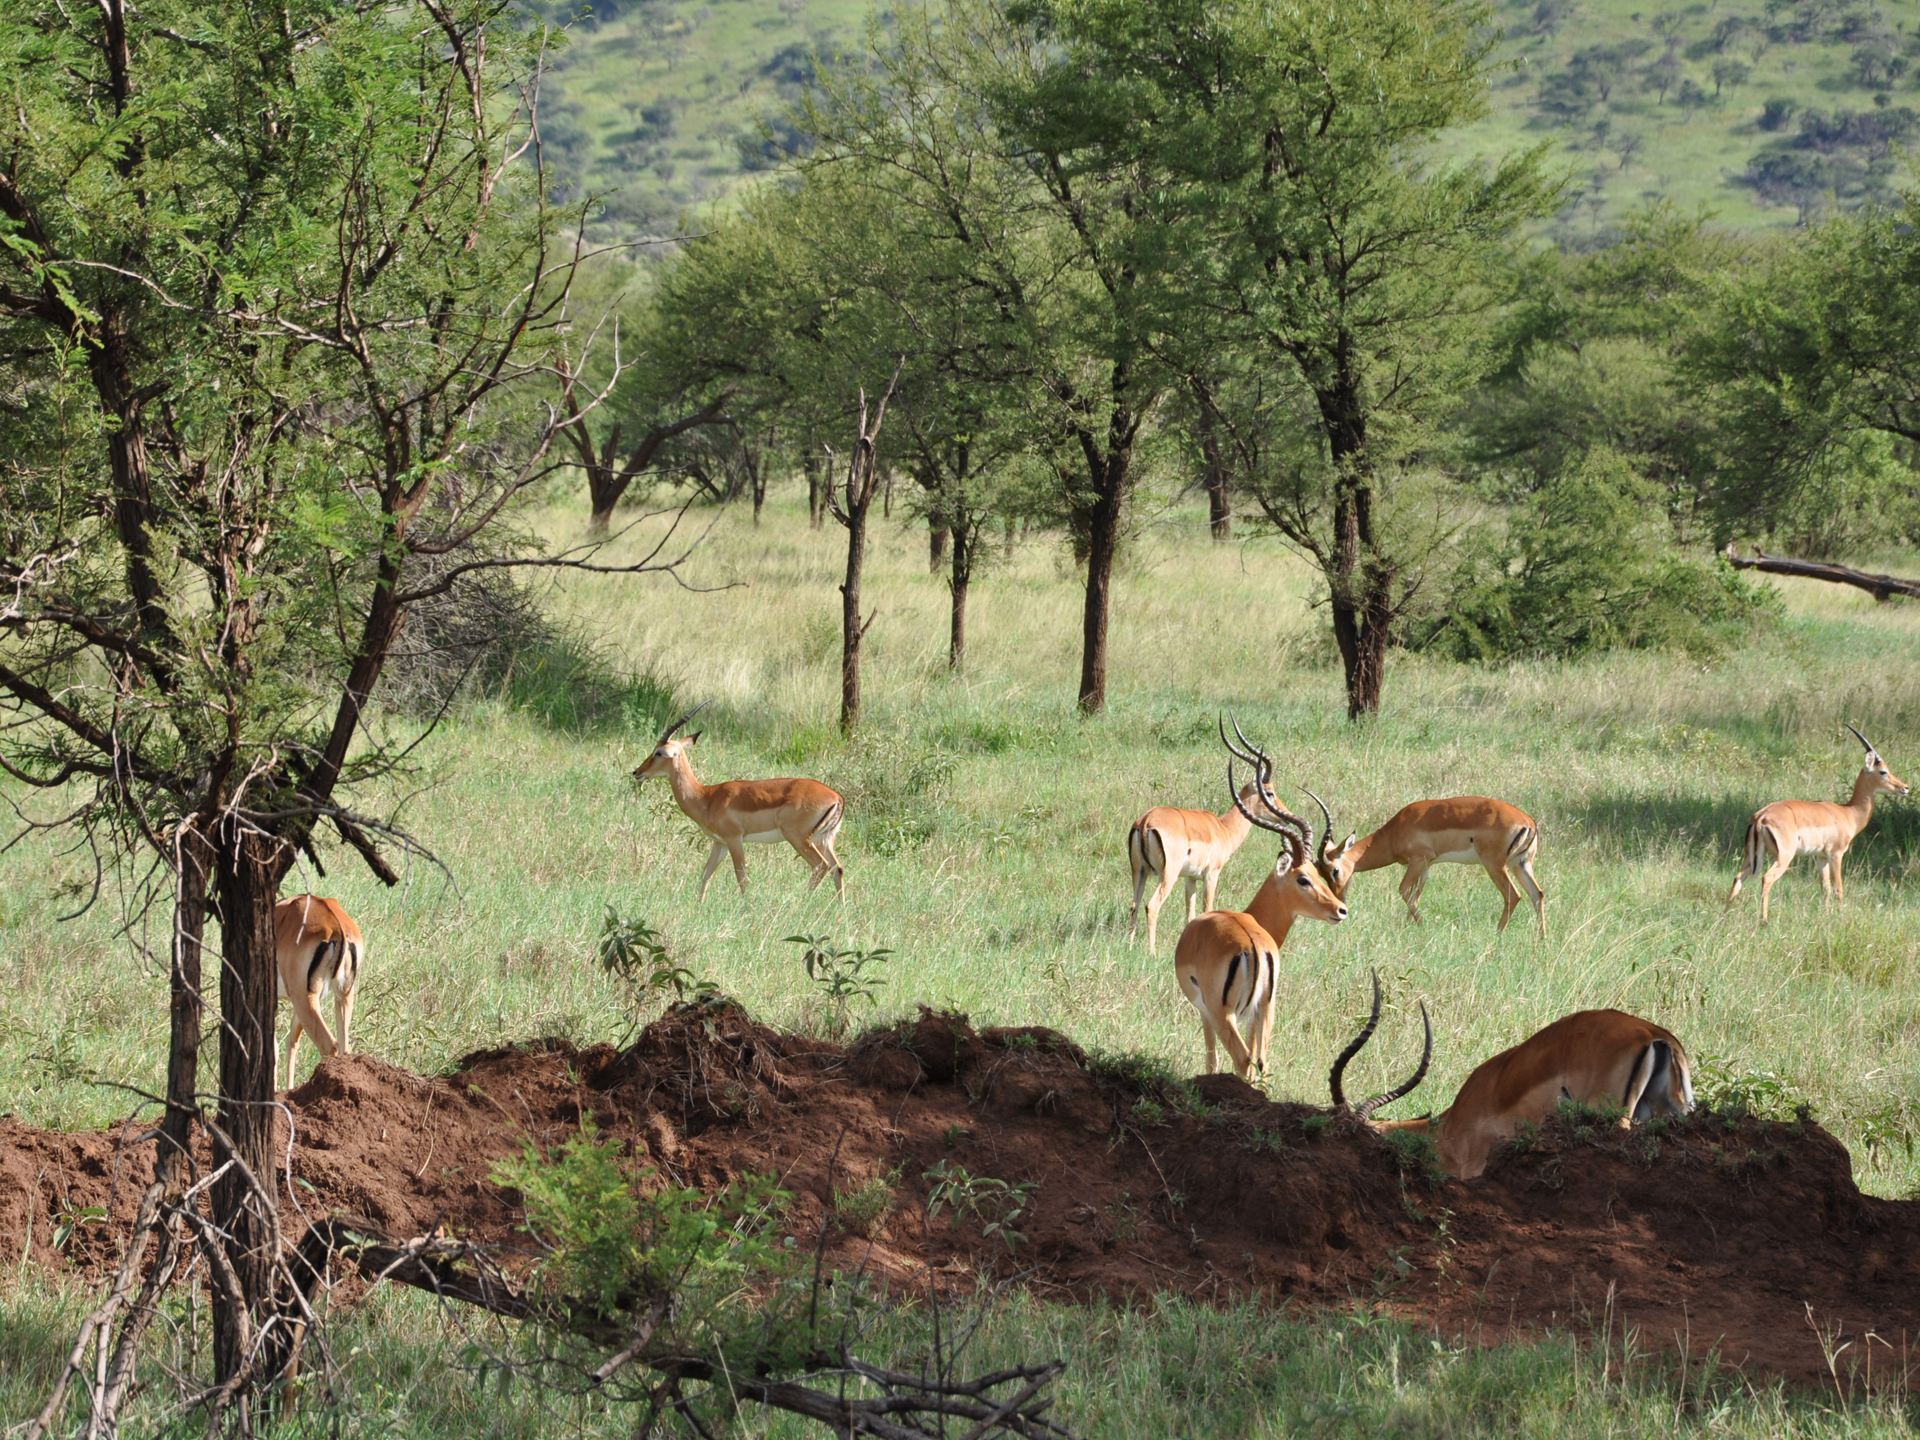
(1788,828)
(1458,830)
(317,948)
(738,813)
(1227,961)
(1594,1057)
(1191,845)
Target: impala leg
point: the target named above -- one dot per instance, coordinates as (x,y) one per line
(1826,884)
(1411,884)
(825,842)
(1772,878)
(1190,886)
(1213,887)
(1140,873)
(713,864)
(738,852)
(343,1016)
(1523,867)
(307,1018)
(1161,890)
(1509,893)
(1839,885)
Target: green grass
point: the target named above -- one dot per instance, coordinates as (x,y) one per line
(1171,1368)
(651,106)
(984,843)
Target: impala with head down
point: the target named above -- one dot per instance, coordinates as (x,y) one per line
(1788,828)
(1594,1057)
(1462,829)
(317,948)
(1227,961)
(1192,845)
(738,813)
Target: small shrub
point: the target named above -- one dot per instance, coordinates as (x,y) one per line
(859,1210)
(841,976)
(634,953)
(1760,1094)
(996,1205)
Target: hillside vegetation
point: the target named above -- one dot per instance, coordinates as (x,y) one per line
(1764,112)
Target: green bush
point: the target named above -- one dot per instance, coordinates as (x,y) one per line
(1586,564)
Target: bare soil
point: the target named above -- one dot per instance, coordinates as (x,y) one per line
(1736,1235)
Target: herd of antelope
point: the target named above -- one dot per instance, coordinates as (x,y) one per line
(1226,962)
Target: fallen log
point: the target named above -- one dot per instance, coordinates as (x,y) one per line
(1878,586)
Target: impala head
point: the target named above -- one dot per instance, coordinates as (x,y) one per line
(1883,778)
(1367,1107)
(1332,860)
(670,746)
(1303,889)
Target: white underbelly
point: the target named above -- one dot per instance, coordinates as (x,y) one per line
(1458,857)
(761,837)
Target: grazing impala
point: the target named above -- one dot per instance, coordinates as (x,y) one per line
(1788,828)
(738,813)
(1227,961)
(1191,845)
(1594,1057)
(317,948)
(1462,829)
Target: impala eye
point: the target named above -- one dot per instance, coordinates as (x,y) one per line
(1306,882)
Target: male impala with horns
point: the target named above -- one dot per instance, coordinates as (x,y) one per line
(738,813)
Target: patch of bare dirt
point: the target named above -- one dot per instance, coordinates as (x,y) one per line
(1739,1235)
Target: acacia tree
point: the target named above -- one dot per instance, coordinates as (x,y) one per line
(968,126)
(1291,150)
(269,280)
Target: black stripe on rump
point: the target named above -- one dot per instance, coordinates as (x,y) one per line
(1233,970)
(315,980)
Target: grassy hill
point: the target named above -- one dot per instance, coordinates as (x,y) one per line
(1763,111)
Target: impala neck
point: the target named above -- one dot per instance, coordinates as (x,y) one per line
(1864,789)
(1274,908)
(1234,825)
(688,793)
(1370,852)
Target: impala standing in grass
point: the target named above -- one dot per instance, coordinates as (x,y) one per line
(738,813)
(317,948)
(1595,1057)
(1462,829)
(1227,961)
(1788,828)
(1172,845)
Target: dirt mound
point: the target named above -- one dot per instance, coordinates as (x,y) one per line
(1738,1235)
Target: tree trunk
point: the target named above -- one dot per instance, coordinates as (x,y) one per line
(959,578)
(1213,461)
(605,486)
(852,631)
(1879,586)
(1359,581)
(1006,546)
(1103,543)
(184,1019)
(246,880)
(759,479)
(936,542)
(886,497)
(819,481)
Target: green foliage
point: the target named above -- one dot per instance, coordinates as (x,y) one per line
(608,1246)
(995,1205)
(1762,1094)
(859,1210)
(636,955)
(1587,565)
(840,973)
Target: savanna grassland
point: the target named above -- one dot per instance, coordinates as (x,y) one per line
(984,844)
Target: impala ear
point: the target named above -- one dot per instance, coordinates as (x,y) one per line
(1347,844)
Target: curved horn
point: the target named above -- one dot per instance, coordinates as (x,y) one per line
(1231,747)
(1353,1049)
(668,733)
(1326,837)
(1284,823)
(1871,750)
(1367,1107)
(1266,765)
